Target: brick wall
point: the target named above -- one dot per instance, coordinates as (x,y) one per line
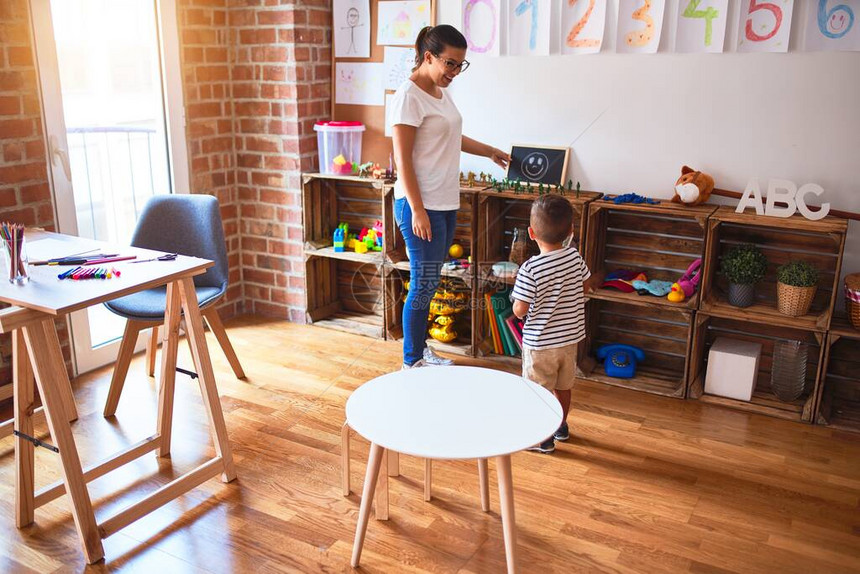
(281,85)
(205,60)
(25,196)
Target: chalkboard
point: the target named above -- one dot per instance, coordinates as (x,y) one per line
(533,164)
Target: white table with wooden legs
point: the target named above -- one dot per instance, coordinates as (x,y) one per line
(37,357)
(450,413)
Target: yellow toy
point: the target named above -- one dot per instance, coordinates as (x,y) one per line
(455,251)
(360,247)
(444,307)
(676,294)
(442,329)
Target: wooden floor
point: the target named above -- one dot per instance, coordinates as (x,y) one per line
(646,484)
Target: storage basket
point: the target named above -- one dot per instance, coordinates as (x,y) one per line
(794,301)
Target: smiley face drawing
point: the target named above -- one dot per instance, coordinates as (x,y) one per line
(534,166)
(837,22)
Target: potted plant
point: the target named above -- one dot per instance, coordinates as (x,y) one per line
(743,266)
(797,282)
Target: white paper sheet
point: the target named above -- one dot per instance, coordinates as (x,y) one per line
(640,24)
(359,84)
(50,248)
(701,25)
(351,28)
(398,23)
(833,25)
(582,24)
(529,22)
(481,25)
(398,64)
(765,26)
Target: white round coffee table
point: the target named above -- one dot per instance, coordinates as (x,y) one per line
(451,413)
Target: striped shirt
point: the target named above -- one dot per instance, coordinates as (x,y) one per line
(551,283)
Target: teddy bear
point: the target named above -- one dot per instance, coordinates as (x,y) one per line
(693,187)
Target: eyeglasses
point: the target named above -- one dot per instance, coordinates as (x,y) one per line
(452,65)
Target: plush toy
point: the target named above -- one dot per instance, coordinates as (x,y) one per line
(693,187)
(654,287)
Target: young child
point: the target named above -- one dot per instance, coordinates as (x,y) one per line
(550,293)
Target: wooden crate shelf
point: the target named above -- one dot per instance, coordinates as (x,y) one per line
(660,240)
(839,403)
(464,235)
(344,289)
(663,333)
(329,200)
(395,279)
(820,243)
(499,213)
(371,257)
(709,327)
(346,296)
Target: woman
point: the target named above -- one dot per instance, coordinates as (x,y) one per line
(427,132)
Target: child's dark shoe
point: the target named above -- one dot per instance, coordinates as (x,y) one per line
(562,434)
(545,447)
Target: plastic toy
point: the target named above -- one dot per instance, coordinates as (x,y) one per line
(620,360)
(338,240)
(341,166)
(689,282)
(455,251)
(360,247)
(364,169)
(631,198)
(676,294)
(442,329)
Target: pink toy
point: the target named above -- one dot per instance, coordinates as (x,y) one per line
(689,282)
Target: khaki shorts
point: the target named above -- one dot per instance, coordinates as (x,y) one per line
(553,369)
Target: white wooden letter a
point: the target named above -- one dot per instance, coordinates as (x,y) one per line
(783,191)
(751,196)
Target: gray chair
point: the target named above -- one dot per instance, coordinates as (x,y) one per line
(188,225)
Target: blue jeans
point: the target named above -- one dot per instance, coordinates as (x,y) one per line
(425,269)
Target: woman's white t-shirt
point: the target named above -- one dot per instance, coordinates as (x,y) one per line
(436,153)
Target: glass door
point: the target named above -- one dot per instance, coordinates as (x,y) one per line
(106,69)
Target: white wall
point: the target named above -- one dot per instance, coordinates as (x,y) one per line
(736,116)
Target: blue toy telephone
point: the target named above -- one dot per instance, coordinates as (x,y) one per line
(620,360)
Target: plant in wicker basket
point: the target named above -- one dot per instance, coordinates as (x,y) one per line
(743,266)
(797,282)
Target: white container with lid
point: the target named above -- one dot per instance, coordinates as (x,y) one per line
(339,145)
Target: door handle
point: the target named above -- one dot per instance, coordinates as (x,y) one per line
(58,153)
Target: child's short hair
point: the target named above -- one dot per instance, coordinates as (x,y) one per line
(551,218)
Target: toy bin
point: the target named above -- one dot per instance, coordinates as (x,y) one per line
(339,145)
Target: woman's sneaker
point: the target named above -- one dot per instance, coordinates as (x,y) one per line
(434,360)
(562,434)
(545,447)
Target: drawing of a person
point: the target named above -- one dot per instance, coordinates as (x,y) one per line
(352,21)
